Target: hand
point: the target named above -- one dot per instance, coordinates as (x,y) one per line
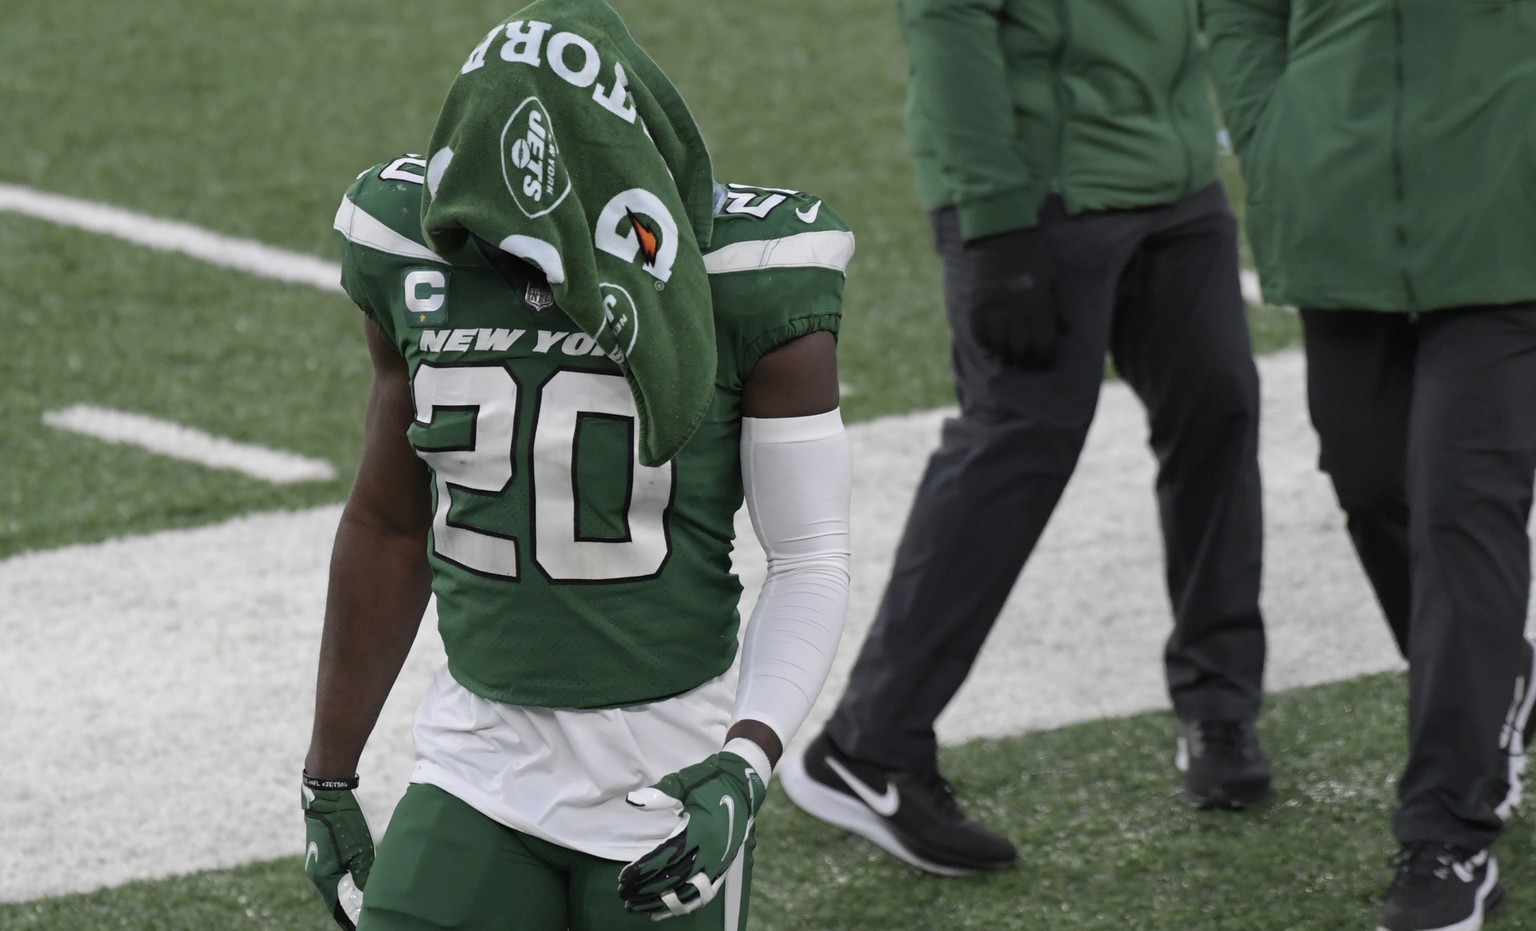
(717,801)
(338,853)
(1010,298)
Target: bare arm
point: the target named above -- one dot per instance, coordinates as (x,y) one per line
(379,578)
(793,379)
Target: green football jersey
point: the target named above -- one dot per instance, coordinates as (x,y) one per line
(567,574)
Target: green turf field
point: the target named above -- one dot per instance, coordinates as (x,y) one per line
(1105,844)
(250,119)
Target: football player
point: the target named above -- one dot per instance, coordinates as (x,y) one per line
(587,355)
(586,718)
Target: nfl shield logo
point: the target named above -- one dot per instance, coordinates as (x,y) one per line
(538,297)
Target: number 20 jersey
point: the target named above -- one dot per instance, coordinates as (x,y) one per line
(568,575)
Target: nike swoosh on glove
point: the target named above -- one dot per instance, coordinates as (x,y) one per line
(1008,293)
(338,852)
(716,800)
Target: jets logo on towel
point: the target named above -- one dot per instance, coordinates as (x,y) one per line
(530,160)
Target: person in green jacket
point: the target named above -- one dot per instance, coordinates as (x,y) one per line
(1389,148)
(1066,153)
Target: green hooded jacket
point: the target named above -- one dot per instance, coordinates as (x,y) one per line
(1389,147)
(1106,102)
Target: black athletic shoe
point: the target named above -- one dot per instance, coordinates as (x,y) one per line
(912,816)
(1222,764)
(1441,888)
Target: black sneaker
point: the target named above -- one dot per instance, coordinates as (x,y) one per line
(1441,888)
(1222,764)
(912,816)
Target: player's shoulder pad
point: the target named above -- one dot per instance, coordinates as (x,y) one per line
(770,228)
(382,209)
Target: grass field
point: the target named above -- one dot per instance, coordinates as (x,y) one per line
(249,119)
(1104,841)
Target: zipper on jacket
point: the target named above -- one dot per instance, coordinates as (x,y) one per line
(1400,208)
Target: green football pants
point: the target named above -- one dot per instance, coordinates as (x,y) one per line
(442,864)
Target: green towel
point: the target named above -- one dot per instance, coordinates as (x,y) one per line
(562,143)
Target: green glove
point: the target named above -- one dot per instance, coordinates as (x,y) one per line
(717,800)
(339,851)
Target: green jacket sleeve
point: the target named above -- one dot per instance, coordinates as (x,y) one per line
(959,96)
(1248,54)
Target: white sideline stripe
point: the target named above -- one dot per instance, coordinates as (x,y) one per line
(171,236)
(179,442)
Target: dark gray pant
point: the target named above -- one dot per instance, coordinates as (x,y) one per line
(1158,289)
(1428,431)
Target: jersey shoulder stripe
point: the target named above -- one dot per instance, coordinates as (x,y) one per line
(820,249)
(759,228)
(361,228)
(382,209)
(378,234)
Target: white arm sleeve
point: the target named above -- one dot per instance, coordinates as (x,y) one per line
(798,477)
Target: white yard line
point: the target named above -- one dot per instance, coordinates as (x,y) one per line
(180,442)
(172,236)
(160,436)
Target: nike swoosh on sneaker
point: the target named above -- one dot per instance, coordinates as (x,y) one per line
(884,803)
(808,214)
